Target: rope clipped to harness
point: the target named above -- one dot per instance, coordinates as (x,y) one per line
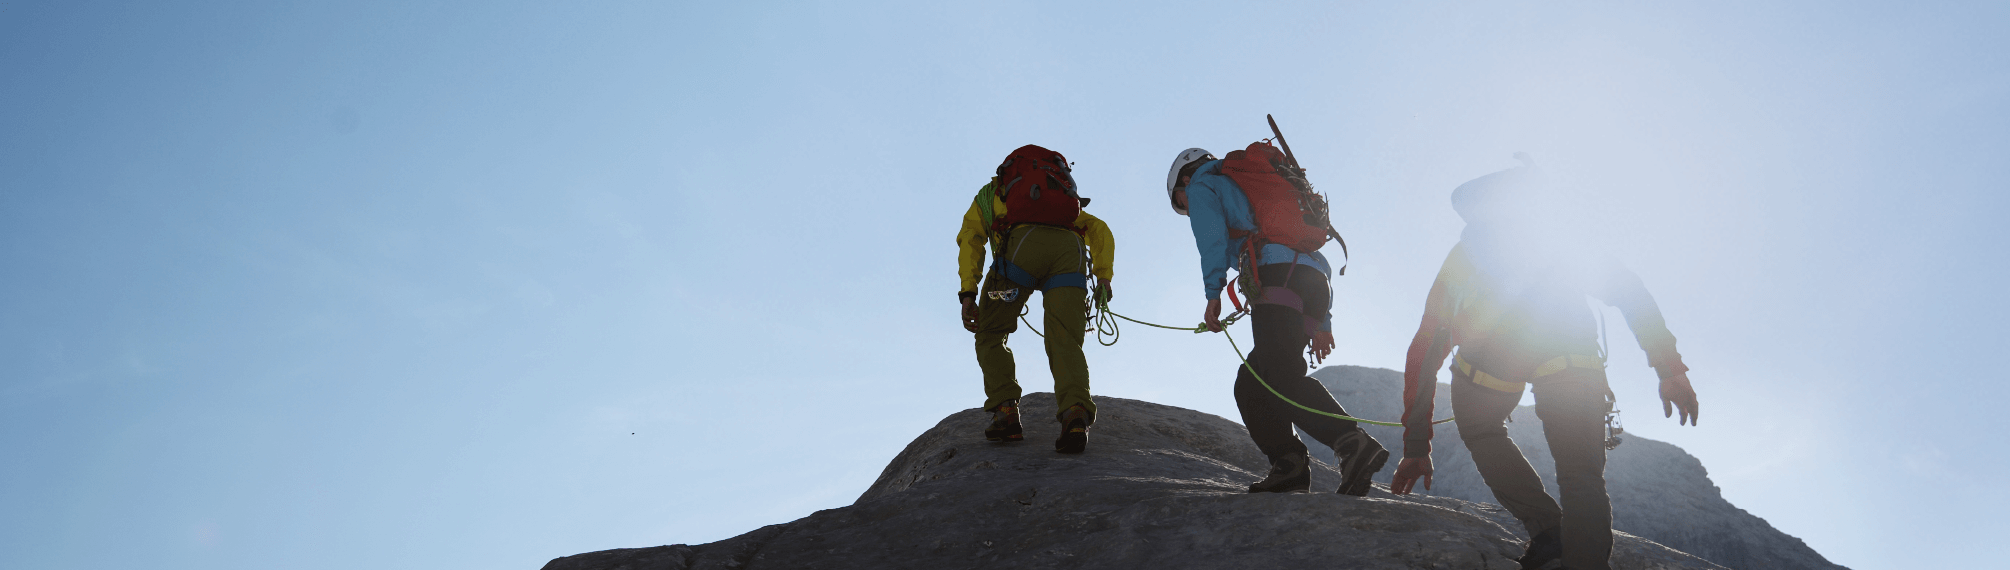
(1100,318)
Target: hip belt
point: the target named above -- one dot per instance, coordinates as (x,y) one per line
(1555,365)
(1023,278)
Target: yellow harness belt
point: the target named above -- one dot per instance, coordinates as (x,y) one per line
(1555,365)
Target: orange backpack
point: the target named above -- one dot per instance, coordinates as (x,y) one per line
(1287,211)
(1037,188)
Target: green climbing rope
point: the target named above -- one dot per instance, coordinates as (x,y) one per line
(1029,324)
(1196,329)
(1100,321)
(1100,314)
(1280,396)
(1105,308)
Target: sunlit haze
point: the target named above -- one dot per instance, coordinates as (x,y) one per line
(421,284)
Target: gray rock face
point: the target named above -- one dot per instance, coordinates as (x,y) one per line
(1658,491)
(1160,487)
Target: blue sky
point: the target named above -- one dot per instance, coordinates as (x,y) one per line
(479,284)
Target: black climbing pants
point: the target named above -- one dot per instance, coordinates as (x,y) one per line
(1572,405)
(1278,354)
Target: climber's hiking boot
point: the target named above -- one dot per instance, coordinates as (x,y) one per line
(1360,458)
(1074,430)
(1005,423)
(1545,551)
(1288,474)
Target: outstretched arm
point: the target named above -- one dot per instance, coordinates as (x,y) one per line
(1102,252)
(971,240)
(1622,288)
(1428,350)
(1420,384)
(1210,233)
(1102,245)
(1427,353)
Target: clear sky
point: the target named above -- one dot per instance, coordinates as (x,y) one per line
(478,284)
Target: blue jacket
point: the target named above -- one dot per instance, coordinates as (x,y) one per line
(1214,205)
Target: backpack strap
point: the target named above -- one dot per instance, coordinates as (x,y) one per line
(987,208)
(985,197)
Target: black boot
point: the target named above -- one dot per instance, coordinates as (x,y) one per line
(1074,430)
(1005,423)
(1544,552)
(1360,458)
(1290,473)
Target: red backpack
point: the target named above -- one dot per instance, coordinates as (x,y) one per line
(1037,188)
(1287,211)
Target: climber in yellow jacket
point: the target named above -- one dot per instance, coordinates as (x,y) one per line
(1026,257)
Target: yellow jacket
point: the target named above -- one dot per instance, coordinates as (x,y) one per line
(972,240)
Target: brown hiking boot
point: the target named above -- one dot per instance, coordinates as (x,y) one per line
(1005,423)
(1544,552)
(1288,474)
(1074,430)
(1360,458)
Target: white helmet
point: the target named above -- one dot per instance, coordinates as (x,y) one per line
(1186,157)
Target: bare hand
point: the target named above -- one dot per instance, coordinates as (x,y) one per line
(1676,393)
(1104,292)
(969,315)
(1322,345)
(1212,317)
(1407,473)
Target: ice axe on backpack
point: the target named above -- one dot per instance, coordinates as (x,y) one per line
(1294,164)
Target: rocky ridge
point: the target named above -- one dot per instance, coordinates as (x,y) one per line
(1160,487)
(1658,491)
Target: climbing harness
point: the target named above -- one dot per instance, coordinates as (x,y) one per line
(1087,280)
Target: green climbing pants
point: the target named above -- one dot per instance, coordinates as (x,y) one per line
(1042,252)
(1572,406)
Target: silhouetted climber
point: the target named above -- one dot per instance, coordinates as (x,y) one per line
(1290,309)
(1031,217)
(1511,298)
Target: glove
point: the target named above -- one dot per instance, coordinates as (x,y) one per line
(1103,293)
